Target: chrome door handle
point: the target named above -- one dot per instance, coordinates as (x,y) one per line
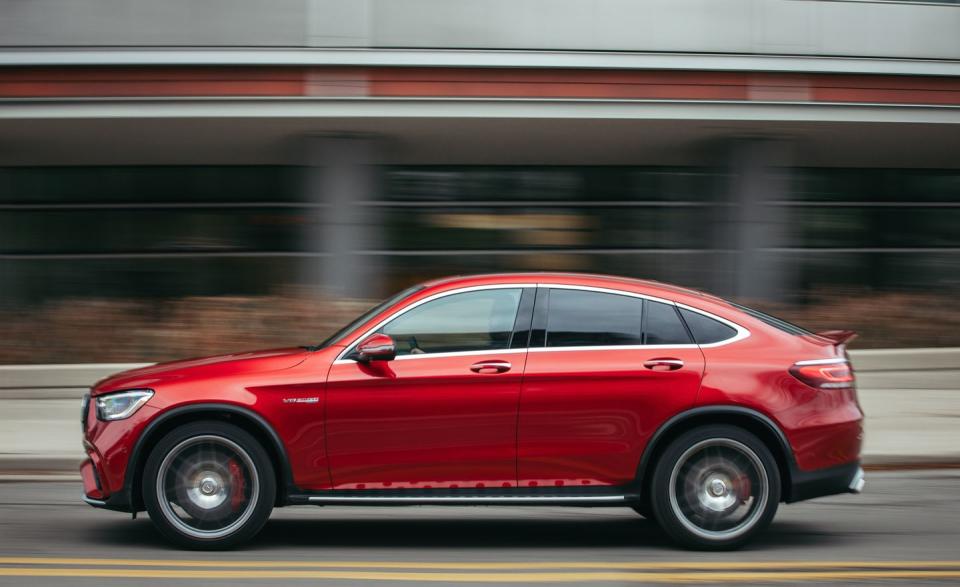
(490,367)
(663,364)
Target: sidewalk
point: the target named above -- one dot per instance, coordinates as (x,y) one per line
(911,398)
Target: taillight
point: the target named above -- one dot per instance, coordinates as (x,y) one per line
(824,373)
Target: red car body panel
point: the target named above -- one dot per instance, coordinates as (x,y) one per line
(586,415)
(556,418)
(423,422)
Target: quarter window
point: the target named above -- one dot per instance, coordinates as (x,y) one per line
(662,325)
(470,321)
(586,318)
(706,330)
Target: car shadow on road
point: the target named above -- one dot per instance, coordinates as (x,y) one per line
(467,532)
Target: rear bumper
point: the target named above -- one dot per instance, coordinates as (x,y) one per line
(847,478)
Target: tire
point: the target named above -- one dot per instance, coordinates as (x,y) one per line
(715,487)
(209,485)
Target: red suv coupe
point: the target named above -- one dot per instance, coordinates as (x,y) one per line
(522,389)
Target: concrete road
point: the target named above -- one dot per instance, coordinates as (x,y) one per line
(904,529)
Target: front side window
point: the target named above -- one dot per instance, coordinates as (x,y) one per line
(470,321)
(587,318)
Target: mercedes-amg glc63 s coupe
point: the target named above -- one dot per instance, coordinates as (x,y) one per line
(517,389)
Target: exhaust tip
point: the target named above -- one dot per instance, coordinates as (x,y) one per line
(858,481)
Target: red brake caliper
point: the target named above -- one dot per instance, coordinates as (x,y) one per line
(237,484)
(745,489)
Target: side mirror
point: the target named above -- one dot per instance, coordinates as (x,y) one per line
(376,347)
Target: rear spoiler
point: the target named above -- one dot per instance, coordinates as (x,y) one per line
(837,337)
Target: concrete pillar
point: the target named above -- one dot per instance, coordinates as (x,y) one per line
(758,172)
(342,178)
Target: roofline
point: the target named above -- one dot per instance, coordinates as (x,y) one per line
(572,278)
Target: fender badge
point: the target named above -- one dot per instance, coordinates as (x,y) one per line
(301,400)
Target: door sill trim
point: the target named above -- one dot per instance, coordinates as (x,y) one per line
(620,499)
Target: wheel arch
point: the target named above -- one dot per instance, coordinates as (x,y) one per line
(237,415)
(753,421)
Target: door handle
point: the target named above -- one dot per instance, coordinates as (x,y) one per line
(490,367)
(663,364)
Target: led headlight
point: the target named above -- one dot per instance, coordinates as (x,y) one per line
(117,406)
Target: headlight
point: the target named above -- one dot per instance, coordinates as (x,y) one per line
(117,406)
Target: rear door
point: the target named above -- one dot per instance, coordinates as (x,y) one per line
(605,369)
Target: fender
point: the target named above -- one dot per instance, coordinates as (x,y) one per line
(702,411)
(124,499)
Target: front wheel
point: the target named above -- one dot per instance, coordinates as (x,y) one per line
(209,485)
(715,487)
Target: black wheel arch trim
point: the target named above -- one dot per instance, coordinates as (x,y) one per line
(702,411)
(124,499)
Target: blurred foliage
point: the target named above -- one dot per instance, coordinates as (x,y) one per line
(90,330)
(109,330)
(882,320)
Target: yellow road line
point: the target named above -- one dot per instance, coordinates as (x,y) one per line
(656,577)
(481,566)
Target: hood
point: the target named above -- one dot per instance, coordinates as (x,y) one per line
(203,367)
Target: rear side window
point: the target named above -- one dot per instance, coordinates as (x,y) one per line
(586,318)
(706,330)
(662,325)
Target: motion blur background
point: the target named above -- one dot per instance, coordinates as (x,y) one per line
(194,177)
(200,176)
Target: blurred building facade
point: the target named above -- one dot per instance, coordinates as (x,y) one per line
(757,148)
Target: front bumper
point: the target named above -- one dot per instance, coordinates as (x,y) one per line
(847,478)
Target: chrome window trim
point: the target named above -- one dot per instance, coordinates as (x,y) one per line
(442,355)
(742,332)
(612,347)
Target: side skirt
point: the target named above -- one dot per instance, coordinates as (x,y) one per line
(610,497)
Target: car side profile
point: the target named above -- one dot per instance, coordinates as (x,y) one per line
(511,389)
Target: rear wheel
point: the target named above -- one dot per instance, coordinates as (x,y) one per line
(715,487)
(209,485)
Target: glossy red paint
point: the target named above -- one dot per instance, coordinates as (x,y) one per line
(555,418)
(586,415)
(423,422)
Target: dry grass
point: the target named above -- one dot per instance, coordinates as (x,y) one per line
(103,330)
(110,330)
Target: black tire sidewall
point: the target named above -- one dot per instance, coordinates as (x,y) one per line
(265,474)
(660,488)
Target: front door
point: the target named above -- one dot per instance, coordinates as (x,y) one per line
(603,371)
(443,414)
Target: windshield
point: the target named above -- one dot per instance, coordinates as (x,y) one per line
(338,335)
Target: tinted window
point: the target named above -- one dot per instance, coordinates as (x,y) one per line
(585,318)
(706,330)
(471,321)
(662,325)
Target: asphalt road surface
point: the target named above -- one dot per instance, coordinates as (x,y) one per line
(905,529)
